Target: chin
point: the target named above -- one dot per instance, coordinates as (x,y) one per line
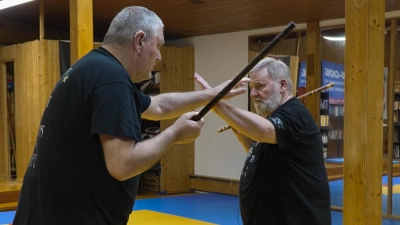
(145,76)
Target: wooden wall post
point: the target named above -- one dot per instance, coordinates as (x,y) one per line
(176,68)
(363,115)
(313,61)
(42,79)
(81,28)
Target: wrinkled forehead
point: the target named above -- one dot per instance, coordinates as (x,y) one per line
(259,75)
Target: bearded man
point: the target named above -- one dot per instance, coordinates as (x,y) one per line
(284,179)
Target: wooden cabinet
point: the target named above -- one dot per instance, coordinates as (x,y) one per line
(331,125)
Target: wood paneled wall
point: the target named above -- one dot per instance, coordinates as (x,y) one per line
(27,108)
(31,91)
(51,71)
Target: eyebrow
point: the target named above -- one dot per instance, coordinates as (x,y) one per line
(256,82)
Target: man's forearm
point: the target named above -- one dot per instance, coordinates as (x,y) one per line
(172,105)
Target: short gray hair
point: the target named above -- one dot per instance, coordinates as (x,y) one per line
(276,70)
(128,22)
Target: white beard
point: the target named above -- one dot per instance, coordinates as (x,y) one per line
(264,108)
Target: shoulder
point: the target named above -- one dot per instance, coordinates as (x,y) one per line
(101,68)
(292,106)
(100,60)
(293,110)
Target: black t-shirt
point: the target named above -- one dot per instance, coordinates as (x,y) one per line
(287,183)
(67,181)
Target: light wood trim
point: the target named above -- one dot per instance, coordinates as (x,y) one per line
(363,136)
(214,184)
(81,28)
(391,217)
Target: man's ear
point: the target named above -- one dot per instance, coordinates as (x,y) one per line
(139,40)
(283,84)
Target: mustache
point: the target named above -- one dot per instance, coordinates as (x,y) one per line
(260,99)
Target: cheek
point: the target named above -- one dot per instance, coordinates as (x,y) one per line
(265,94)
(155,53)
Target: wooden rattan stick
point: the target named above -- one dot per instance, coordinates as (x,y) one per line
(247,69)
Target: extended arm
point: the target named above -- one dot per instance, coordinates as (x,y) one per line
(172,105)
(246,123)
(126,158)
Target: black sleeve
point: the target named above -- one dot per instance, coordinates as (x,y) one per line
(145,101)
(116,111)
(288,128)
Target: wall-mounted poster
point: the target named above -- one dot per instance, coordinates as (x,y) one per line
(333,73)
(301,84)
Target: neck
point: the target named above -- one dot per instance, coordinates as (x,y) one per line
(288,96)
(125,57)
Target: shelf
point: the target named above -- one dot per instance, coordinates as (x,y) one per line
(332,115)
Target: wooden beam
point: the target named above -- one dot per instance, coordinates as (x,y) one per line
(43,81)
(313,68)
(363,115)
(81,28)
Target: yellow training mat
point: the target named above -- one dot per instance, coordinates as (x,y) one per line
(395,189)
(148,217)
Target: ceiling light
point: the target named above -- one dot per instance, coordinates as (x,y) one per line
(334,38)
(8,3)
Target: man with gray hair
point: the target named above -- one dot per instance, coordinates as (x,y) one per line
(284,180)
(89,151)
